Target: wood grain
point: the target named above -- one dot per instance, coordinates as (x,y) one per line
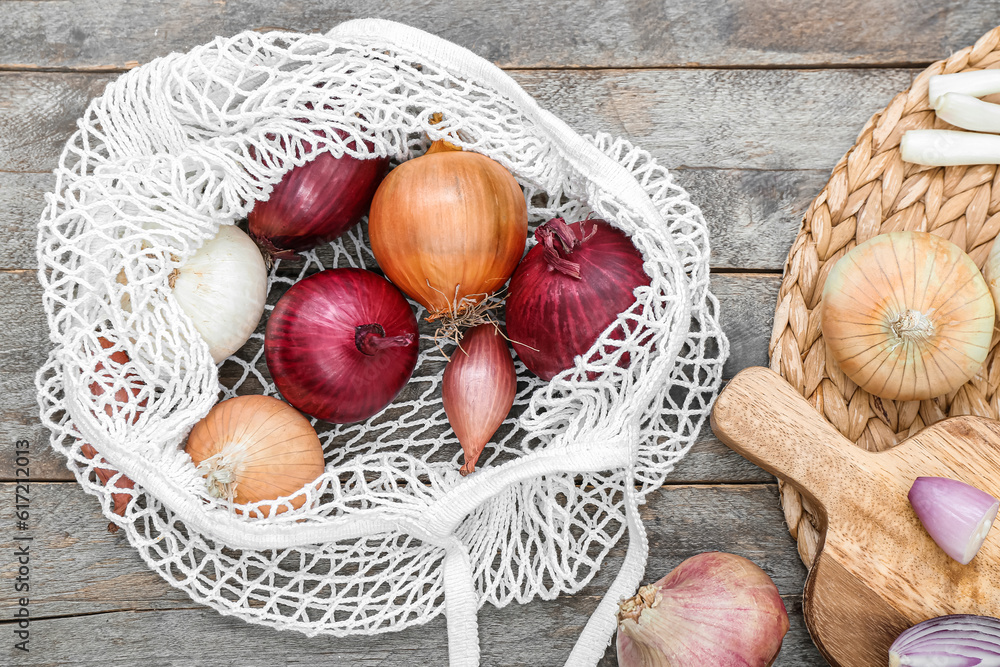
(731,149)
(878,571)
(752,215)
(22,197)
(79,568)
(582,33)
(38,113)
(729,119)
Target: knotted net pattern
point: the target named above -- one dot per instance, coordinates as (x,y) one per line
(186,143)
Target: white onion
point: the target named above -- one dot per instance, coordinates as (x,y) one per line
(222,288)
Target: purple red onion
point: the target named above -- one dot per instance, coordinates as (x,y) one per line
(956,515)
(341,344)
(567,290)
(959,640)
(316,203)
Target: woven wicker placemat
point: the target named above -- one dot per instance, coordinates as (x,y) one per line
(872,191)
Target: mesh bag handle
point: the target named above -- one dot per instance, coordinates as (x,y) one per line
(640,436)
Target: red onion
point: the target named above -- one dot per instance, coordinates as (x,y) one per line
(956,515)
(478,389)
(959,640)
(316,203)
(567,290)
(117,407)
(341,344)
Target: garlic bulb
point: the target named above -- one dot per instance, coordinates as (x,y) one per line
(713,609)
(907,315)
(222,288)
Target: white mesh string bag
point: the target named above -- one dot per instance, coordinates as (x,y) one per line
(392,535)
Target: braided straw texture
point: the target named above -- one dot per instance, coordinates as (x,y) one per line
(872,191)
(391,535)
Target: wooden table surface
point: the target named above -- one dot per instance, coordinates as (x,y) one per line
(750,102)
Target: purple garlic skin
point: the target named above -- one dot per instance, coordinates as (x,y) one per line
(713,609)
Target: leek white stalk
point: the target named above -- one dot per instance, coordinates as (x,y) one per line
(945,148)
(222,288)
(976,84)
(969,113)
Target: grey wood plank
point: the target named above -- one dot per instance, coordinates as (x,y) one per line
(733,119)
(752,215)
(541,633)
(746,313)
(581,33)
(730,119)
(747,308)
(39,113)
(752,172)
(23,351)
(22,197)
(78,568)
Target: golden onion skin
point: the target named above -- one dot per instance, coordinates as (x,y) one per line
(267,446)
(908,316)
(447,225)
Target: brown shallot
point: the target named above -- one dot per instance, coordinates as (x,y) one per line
(478,389)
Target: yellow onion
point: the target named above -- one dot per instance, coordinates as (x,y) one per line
(254,448)
(448,228)
(908,316)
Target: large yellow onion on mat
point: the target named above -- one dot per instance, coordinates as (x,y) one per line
(908,316)
(448,228)
(253,448)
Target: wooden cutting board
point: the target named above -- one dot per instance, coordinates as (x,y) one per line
(878,571)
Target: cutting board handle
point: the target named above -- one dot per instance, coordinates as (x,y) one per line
(759,416)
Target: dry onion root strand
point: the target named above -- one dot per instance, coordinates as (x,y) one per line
(457,320)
